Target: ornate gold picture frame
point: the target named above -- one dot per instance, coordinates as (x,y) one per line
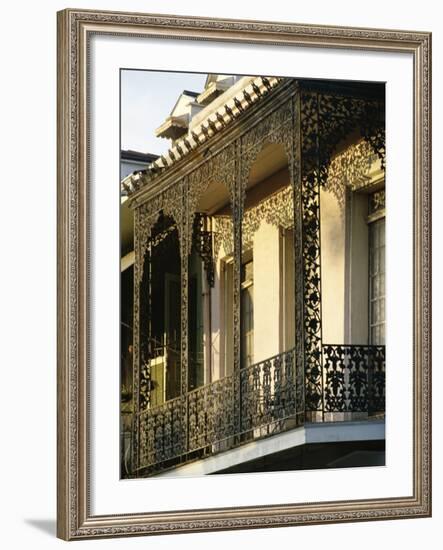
(76,29)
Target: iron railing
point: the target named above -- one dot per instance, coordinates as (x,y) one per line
(354,378)
(162,434)
(210,414)
(268,391)
(202,421)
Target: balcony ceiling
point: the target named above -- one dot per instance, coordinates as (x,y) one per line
(270,160)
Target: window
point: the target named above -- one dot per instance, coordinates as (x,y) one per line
(247,317)
(228,318)
(377,269)
(288,289)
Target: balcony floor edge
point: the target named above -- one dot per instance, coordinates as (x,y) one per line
(310,433)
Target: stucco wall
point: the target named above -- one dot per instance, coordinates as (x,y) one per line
(357,306)
(333,238)
(266,292)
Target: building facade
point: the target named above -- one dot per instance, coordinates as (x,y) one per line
(257,282)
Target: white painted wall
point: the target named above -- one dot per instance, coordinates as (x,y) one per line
(344,268)
(333,237)
(357,305)
(266,255)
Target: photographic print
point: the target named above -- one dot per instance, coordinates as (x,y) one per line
(252,235)
(243,274)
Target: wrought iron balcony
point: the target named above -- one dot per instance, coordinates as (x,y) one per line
(203,421)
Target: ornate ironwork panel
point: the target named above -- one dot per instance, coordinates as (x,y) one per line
(310,180)
(237,211)
(276,127)
(161,433)
(210,414)
(185,250)
(276,209)
(268,392)
(223,235)
(297,201)
(168,202)
(338,117)
(136,343)
(354,378)
(377,202)
(374,130)
(350,169)
(219,168)
(377,380)
(202,241)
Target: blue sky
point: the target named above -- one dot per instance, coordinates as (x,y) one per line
(147,98)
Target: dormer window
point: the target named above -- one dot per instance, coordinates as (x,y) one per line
(176,124)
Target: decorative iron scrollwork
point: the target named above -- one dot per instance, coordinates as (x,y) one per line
(351,168)
(161,434)
(210,414)
(373,129)
(277,210)
(268,393)
(311,180)
(354,378)
(377,202)
(223,235)
(202,241)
